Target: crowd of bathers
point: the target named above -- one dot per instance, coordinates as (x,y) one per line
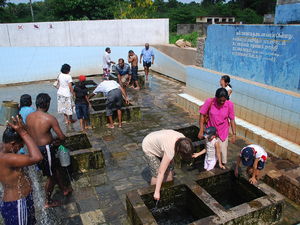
(28,138)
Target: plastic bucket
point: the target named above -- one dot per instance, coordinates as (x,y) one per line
(7,110)
(64,156)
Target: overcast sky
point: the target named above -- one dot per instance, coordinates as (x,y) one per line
(25,1)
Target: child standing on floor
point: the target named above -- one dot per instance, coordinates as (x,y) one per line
(212,150)
(82,102)
(225,83)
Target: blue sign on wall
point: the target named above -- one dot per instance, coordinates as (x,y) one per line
(264,53)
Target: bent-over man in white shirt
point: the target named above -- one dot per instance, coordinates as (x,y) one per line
(114,93)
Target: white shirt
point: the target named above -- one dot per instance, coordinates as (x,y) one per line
(259,152)
(228,89)
(106,60)
(64,80)
(106,86)
(211,149)
(160,142)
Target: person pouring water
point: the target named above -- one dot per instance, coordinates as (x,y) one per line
(160,147)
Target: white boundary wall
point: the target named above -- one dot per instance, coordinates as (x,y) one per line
(85,33)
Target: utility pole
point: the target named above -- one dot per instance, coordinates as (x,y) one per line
(32,15)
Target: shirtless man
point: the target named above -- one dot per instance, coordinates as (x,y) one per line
(133,60)
(17,203)
(39,125)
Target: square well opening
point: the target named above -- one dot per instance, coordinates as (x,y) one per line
(76,142)
(230,191)
(177,206)
(191,132)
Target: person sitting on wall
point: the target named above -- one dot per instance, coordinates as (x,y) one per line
(160,147)
(254,157)
(113,91)
(225,83)
(123,70)
(17,205)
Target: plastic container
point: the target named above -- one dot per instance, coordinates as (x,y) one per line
(64,156)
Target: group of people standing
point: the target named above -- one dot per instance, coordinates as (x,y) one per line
(128,75)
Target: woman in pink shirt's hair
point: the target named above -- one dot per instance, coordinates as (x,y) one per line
(218,112)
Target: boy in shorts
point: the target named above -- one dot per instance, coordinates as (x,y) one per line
(17,203)
(82,102)
(212,150)
(254,157)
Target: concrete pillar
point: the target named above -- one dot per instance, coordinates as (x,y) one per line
(200,51)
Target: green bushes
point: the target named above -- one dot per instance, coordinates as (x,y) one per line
(192,37)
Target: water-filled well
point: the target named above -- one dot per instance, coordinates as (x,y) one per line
(178,205)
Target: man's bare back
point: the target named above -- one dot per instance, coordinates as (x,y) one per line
(39,127)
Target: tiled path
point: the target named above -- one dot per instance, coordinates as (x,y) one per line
(99,197)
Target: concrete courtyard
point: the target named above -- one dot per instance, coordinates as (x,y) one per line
(99,197)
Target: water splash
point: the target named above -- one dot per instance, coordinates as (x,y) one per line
(43,216)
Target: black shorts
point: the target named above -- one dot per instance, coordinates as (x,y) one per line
(146,64)
(82,111)
(134,73)
(49,162)
(114,101)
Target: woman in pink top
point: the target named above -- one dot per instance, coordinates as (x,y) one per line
(220,113)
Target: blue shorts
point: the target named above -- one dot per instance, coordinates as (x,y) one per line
(19,212)
(82,111)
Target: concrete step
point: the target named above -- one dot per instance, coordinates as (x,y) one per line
(274,144)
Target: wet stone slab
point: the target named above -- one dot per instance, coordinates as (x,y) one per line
(84,157)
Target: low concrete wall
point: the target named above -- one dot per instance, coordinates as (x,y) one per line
(186,56)
(166,65)
(25,64)
(86,33)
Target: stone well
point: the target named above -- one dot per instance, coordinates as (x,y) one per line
(209,199)
(141,79)
(191,132)
(98,116)
(84,157)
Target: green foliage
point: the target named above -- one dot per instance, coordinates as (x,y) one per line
(247,11)
(134,9)
(192,37)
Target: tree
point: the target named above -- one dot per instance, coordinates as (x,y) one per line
(80,9)
(135,9)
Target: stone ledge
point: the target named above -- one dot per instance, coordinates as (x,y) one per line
(275,144)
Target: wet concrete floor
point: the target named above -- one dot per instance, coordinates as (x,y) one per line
(99,197)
